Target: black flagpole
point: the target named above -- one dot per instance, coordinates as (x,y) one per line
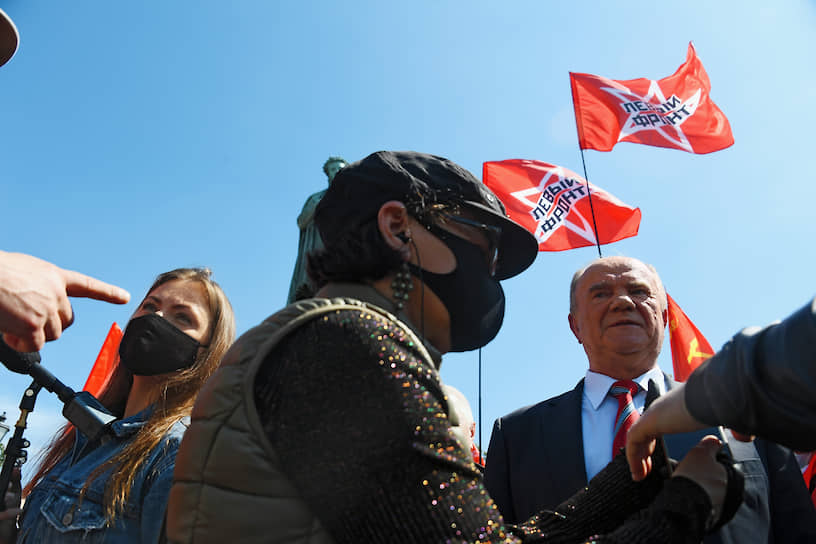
(597,243)
(583,162)
(479,447)
(591,207)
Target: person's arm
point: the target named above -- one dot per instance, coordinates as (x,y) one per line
(374,457)
(375,460)
(34,305)
(666,415)
(763,382)
(655,510)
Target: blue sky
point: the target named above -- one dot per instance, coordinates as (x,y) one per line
(139,137)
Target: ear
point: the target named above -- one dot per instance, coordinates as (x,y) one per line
(665,315)
(392,220)
(576,330)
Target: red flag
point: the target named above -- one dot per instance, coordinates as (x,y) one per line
(551,202)
(675,112)
(808,475)
(105,362)
(688,345)
(476,455)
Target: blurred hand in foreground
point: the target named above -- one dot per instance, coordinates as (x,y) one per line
(34,305)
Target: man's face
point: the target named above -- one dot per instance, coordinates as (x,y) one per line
(619,316)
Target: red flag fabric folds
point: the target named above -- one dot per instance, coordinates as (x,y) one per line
(105,362)
(674,112)
(551,202)
(689,347)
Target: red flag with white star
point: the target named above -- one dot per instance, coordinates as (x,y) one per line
(675,112)
(105,362)
(552,202)
(689,347)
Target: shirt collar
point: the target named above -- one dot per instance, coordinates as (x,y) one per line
(596,385)
(129,426)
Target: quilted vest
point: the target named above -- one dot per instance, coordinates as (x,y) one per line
(227,484)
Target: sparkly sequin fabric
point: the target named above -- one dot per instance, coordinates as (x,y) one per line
(359,421)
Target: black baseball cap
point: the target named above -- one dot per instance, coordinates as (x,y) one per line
(8,38)
(418,180)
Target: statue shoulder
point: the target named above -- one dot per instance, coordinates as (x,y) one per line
(307,213)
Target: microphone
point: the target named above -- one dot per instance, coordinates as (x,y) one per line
(82,409)
(16,361)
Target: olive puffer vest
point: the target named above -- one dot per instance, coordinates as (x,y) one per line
(228,485)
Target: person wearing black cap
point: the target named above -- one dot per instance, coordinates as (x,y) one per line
(328,422)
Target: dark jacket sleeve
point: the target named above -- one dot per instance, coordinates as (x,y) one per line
(763,382)
(496,477)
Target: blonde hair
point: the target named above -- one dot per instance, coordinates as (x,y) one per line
(174,400)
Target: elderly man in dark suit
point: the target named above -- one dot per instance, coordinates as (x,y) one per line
(540,455)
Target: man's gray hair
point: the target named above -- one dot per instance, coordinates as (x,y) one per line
(580,272)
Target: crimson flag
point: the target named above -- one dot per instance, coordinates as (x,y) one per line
(551,202)
(105,362)
(808,475)
(689,347)
(675,112)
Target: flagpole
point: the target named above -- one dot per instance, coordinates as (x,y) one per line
(583,163)
(591,207)
(480,403)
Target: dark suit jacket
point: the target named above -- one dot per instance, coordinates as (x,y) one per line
(535,461)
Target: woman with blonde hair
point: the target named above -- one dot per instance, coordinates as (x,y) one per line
(115,490)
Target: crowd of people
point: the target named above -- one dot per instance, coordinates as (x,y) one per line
(222,440)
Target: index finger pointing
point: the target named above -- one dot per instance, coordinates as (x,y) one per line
(80,285)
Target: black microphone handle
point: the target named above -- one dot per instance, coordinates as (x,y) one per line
(17,361)
(50,382)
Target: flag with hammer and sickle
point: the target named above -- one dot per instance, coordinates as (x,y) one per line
(689,347)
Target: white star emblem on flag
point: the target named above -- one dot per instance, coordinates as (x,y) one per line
(659,114)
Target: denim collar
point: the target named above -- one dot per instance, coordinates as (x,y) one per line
(129,426)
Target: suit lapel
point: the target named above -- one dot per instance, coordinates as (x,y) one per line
(563,454)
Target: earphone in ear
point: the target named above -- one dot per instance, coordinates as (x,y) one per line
(403,237)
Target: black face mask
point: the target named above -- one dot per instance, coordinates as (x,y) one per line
(152,345)
(474,300)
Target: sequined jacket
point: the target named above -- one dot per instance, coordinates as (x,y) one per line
(228,485)
(54,513)
(328,423)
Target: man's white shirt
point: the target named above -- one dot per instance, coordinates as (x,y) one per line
(598,411)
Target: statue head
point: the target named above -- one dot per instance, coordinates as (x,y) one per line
(332,166)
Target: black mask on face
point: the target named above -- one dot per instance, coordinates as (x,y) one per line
(474,300)
(152,345)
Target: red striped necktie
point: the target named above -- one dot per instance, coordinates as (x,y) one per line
(623,390)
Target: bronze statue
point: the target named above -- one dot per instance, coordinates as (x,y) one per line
(310,240)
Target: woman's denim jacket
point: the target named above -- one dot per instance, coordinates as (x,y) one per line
(53,512)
